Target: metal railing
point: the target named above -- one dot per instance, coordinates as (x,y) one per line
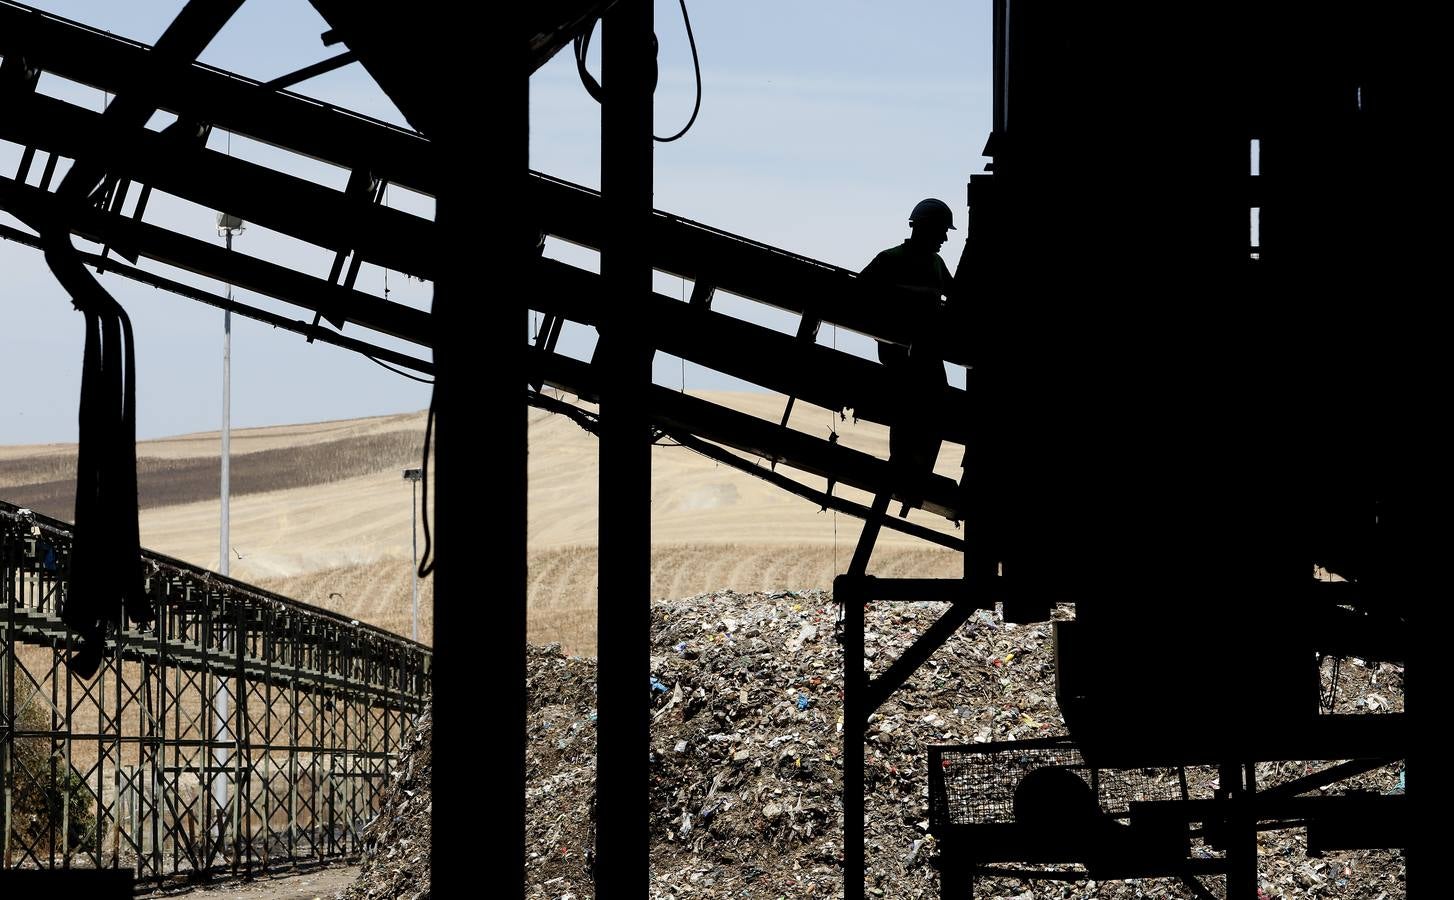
(121,771)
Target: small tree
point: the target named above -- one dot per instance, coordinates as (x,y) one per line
(39,800)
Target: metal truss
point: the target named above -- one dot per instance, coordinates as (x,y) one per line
(318,708)
(375,154)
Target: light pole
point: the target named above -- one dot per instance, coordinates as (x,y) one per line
(227,226)
(412,476)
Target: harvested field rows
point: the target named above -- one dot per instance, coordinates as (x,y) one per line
(47,484)
(320,513)
(378,593)
(561,583)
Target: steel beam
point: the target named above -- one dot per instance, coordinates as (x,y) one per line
(319,68)
(554,23)
(819,375)
(681,413)
(480,373)
(624,597)
(767,274)
(239,269)
(227,100)
(900,670)
(779,278)
(286,203)
(712,451)
(297,326)
(412,79)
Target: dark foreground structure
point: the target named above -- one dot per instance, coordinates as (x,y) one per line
(1164,421)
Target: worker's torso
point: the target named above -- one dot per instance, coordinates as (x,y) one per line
(910,266)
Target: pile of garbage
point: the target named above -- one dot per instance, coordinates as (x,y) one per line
(560,774)
(395,860)
(746,757)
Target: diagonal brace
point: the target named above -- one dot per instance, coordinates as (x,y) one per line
(893,678)
(1322,778)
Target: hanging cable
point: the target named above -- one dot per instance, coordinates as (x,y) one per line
(386,268)
(593,87)
(426,562)
(398,371)
(696,67)
(105,579)
(582,47)
(833,429)
(374,360)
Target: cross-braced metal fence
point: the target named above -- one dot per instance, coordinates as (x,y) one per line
(135,768)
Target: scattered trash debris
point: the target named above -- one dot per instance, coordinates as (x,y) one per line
(746,778)
(397,841)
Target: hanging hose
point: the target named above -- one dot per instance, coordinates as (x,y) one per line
(426,561)
(697,67)
(105,567)
(593,87)
(105,561)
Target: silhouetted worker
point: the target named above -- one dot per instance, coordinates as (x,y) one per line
(920,280)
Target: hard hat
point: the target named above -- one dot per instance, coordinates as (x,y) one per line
(932,212)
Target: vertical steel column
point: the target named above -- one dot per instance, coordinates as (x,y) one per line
(1240,834)
(414,542)
(329,743)
(270,737)
(855,688)
(56,749)
(240,733)
(855,724)
(957,877)
(119,727)
(7,710)
(156,729)
(624,594)
(296,771)
(480,377)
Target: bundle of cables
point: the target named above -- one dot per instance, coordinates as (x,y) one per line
(105,565)
(105,575)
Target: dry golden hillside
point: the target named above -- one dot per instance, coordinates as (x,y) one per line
(320,512)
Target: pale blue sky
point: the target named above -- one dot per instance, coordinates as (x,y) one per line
(821,125)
